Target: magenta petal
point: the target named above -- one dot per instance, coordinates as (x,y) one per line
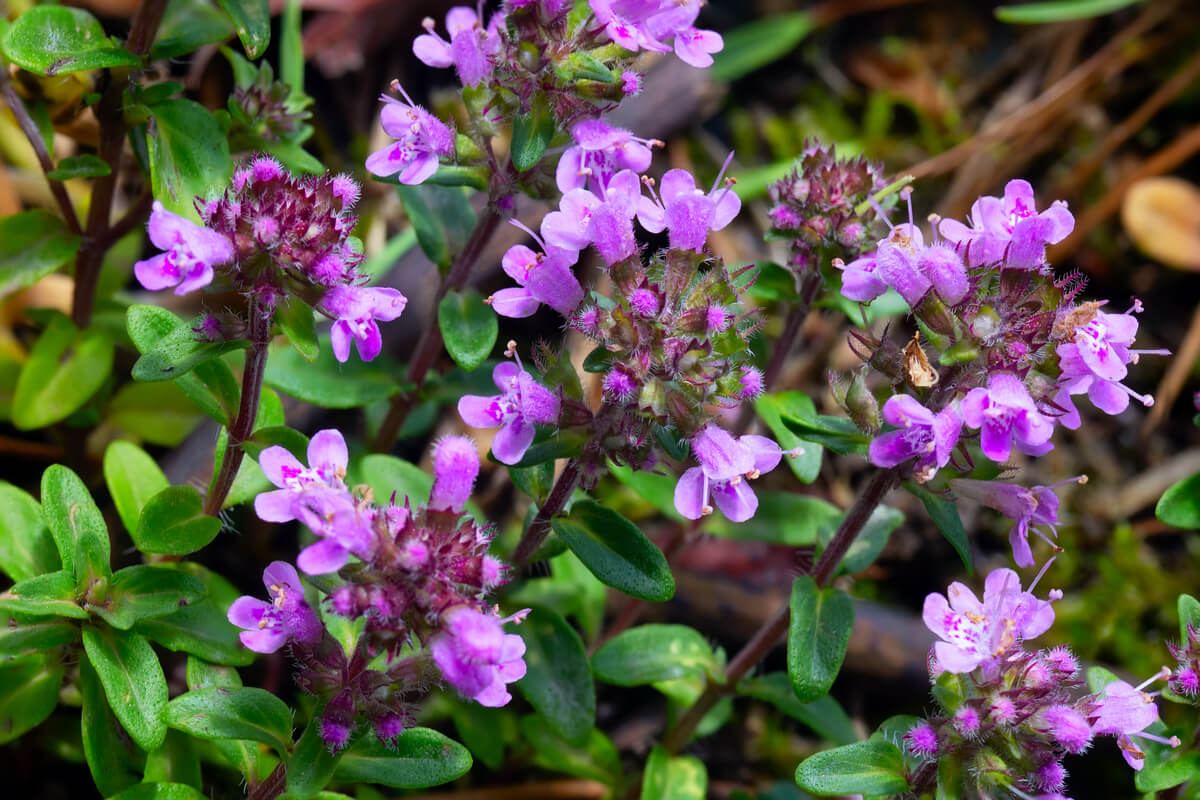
(515,303)
(281,573)
(245,612)
(952,659)
(390,159)
(480,412)
(340,336)
(156,273)
(422,166)
(327,451)
(370,342)
(493,696)
(1108,397)
(432,50)
(198,277)
(890,449)
(691,493)
(513,440)
(766,452)
(325,556)
(275,460)
(277,506)
(996,441)
(267,640)
(736,500)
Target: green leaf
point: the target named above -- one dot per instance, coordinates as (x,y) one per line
(657,490)
(616,551)
(673,777)
(558,679)
(173,522)
(387,474)
(177,761)
(159,413)
(441,216)
(26,546)
(160,791)
(1060,11)
(596,760)
(133,681)
(469,327)
(330,384)
(483,730)
(1180,504)
(56,40)
(81,166)
(246,756)
(210,385)
(1189,614)
(311,765)
(65,368)
(175,351)
(114,761)
(870,541)
(1165,766)
(76,524)
(819,631)
(785,518)
(836,433)
(758,43)
(825,716)
(201,628)
(806,463)
(252,21)
(652,653)
(28,694)
(144,591)
(133,477)
(188,153)
(873,767)
(944,514)
(459,175)
(187,26)
(19,637)
(51,594)
(220,712)
(421,758)
(295,318)
(531,134)
(291,47)
(32,245)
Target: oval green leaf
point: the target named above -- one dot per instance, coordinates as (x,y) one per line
(65,368)
(252,21)
(133,477)
(26,546)
(616,551)
(328,383)
(873,767)
(469,327)
(76,524)
(1180,504)
(673,777)
(32,245)
(56,40)
(51,594)
(220,712)
(819,631)
(114,761)
(28,694)
(421,758)
(558,678)
(144,591)
(173,522)
(133,681)
(651,653)
(189,156)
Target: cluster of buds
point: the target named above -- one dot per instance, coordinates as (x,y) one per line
(264,111)
(1009,716)
(1006,346)
(824,206)
(418,580)
(272,235)
(1185,678)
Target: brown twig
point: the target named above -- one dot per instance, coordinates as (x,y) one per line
(135,215)
(30,129)
(543,790)
(430,345)
(1179,82)
(539,528)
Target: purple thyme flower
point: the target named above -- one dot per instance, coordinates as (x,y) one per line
(476,656)
(470,47)
(1093,360)
(606,220)
(1125,711)
(523,402)
(923,435)
(317,496)
(921,739)
(725,465)
(544,277)
(974,632)
(646,24)
(599,153)
(1009,230)
(355,310)
(420,139)
(268,626)
(1005,414)
(455,467)
(1037,505)
(191,253)
(687,212)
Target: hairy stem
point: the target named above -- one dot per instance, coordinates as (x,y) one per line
(243,426)
(539,528)
(882,482)
(430,345)
(110,114)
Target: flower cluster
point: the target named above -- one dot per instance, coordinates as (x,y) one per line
(1185,678)
(274,235)
(1009,716)
(824,205)
(417,581)
(1010,344)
